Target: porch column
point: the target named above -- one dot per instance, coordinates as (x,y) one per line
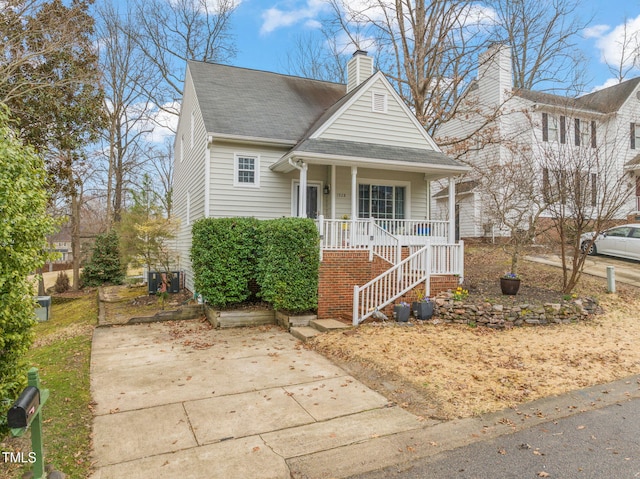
(302,202)
(428,193)
(333,192)
(354,193)
(452,210)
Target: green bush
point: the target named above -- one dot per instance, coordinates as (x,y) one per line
(288,264)
(24,225)
(223,257)
(105,265)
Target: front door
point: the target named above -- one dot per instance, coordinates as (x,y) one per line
(313,200)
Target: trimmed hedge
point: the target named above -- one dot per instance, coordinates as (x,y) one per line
(223,257)
(281,255)
(288,264)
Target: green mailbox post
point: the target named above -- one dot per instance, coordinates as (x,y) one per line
(27,412)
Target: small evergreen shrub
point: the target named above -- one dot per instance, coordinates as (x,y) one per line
(104,265)
(288,264)
(223,257)
(62,284)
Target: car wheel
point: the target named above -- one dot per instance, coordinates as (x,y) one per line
(591,250)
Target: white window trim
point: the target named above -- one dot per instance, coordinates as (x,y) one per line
(181,148)
(553,128)
(256,182)
(384,98)
(383,182)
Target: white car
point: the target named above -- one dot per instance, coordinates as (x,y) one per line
(622,241)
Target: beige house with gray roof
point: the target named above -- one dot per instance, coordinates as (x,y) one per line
(353,157)
(603,125)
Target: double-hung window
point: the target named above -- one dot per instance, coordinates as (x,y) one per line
(247,170)
(550,127)
(382,201)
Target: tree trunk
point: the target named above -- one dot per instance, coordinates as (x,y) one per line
(75,238)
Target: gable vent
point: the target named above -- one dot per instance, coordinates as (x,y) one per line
(379,102)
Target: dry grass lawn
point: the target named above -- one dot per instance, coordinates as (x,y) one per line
(448,371)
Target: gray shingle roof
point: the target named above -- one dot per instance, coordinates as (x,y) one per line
(607,100)
(253,103)
(358,149)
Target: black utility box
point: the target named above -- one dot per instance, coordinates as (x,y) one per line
(172,280)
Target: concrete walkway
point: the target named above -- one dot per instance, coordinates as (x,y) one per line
(626,271)
(248,403)
(180,400)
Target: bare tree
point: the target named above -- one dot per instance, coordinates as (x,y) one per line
(317,56)
(510,195)
(586,189)
(171,32)
(428,49)
(125,78)
(629,58)
(543,37)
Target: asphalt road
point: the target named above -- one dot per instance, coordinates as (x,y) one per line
(598,444)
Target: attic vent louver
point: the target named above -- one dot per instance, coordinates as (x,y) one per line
(379,102)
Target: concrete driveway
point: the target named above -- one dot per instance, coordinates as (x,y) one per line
(183,400)
(626,271)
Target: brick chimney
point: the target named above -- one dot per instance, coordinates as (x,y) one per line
(359,68)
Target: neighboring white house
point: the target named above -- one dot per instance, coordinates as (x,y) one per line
(267,145)
(606,121)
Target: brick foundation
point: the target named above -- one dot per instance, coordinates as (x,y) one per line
(340,271)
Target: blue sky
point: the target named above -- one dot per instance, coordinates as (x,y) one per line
(265,30)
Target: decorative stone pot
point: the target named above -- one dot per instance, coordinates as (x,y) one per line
(422,309)
(402,313)
(509,286)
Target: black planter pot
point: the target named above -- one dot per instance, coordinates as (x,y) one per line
(402,313)
(422,309)
(509,286)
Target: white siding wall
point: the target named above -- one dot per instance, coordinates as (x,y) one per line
(360,123)
(189,174)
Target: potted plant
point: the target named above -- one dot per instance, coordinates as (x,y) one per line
(422,308)
(401,312)
(510,284)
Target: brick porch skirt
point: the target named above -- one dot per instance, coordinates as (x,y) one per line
(340,271)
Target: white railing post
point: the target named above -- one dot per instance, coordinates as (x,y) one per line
(321,231)
(427,269)
(461,260)
(356,294)
(371,229)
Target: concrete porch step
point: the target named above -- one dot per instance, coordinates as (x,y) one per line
(303,333)
(317,326)
(324,325)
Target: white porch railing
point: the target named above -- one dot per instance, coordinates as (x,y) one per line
(403,277)
(358,233)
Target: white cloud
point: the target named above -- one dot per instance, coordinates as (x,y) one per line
(275,18)
(611,43)
(162,123)
(596,31)
(606,84)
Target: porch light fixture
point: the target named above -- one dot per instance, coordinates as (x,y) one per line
(327,189)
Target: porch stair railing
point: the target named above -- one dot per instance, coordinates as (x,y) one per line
(417,268)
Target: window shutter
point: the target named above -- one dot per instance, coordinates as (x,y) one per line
(594,189)
(545,184)
(633,136)
(563,129)
(593,134)
(545,127)
(577,131)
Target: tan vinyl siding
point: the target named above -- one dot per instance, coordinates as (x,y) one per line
(360,123)
(189,175)
(417,207)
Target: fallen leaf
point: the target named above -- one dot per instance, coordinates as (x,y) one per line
(256,449)
(543,474)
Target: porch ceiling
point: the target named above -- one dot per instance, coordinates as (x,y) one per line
(433,164)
